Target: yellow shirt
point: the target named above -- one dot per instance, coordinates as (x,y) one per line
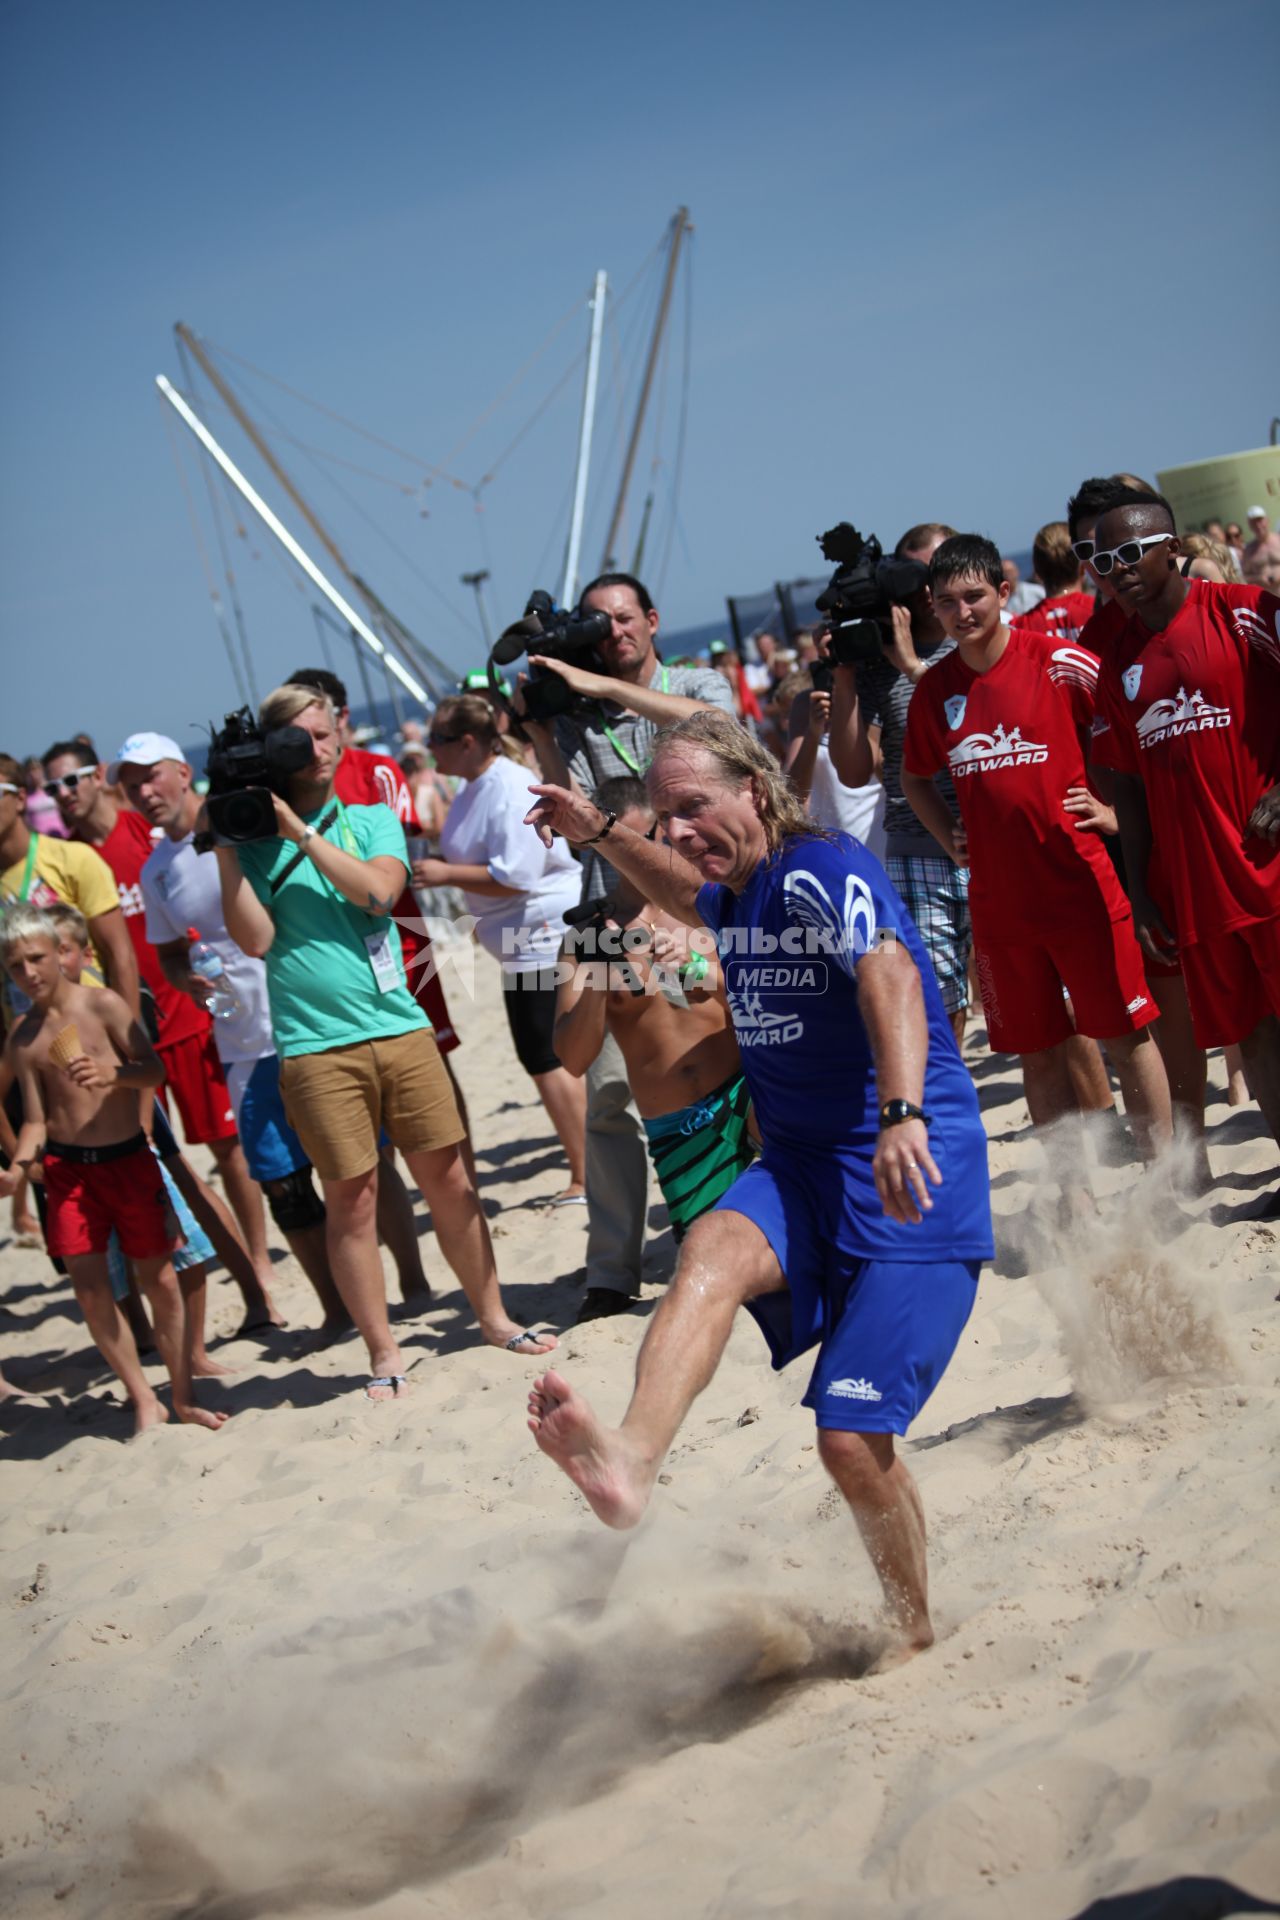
(63,870)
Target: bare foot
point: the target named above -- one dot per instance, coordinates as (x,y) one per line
(151,1413)
(514,1339)
(203,1368)
(600,1462)
(192,1416)
(264,1319)
(901,1648)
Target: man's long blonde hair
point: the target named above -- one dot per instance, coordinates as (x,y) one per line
(742,761)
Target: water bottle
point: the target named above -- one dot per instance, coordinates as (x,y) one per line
(207,964)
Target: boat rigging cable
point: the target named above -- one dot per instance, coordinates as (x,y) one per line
(233,591)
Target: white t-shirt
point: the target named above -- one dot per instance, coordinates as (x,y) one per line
(841,809)
(485,828)
(180,888)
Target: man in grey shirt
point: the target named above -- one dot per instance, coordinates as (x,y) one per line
(868,726)
(623,704)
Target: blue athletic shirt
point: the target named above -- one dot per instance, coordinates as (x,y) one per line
(789,947)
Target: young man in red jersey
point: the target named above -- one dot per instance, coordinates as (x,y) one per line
(1066,606)
(1008,714)
(1143,875)
(1194,690)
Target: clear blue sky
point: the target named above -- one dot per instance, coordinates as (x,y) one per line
(947,262)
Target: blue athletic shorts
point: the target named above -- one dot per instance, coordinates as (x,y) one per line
(271,1147)
(885,1329)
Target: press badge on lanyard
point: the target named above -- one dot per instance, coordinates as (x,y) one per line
(382,947)
(384,958)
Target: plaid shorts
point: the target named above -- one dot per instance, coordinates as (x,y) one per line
(935,892)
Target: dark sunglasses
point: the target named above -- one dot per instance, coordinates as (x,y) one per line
(443,739)
(70,780)
(1083,549)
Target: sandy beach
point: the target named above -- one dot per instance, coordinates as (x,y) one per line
(345,1658)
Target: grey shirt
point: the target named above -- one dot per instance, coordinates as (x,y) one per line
(610,741)
(884,696)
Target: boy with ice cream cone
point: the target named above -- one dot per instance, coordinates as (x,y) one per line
(82,1061)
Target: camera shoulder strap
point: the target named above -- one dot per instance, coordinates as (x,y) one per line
(322,827)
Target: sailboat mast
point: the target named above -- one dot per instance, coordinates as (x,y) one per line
(680,225)
(574,555)
(296,552)
(422,657)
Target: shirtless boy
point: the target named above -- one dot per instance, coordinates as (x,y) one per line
(665,1007)
(82,1061)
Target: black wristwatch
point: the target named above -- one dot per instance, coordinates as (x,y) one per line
(610,822)
(894,1112)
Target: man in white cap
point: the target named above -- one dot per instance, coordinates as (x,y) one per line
(1260,561)
(194,1074)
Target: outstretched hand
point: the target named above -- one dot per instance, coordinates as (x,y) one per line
(557,810)
(902,1158)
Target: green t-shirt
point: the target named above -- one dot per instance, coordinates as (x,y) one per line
(319,974)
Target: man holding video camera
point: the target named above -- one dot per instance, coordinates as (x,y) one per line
(621,702)
(869,705)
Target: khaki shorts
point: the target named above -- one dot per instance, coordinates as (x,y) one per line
(339,1102)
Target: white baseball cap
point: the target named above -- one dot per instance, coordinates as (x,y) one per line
(1256,513)
(143,750)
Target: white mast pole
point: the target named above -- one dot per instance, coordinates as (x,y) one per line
(570,590)
(287,540)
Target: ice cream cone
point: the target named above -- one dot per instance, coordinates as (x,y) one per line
(65,1045)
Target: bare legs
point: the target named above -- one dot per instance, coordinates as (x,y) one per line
(565,1099)
(1184,1063)
(215,1217)
(397,1230)
(885,1503)
(245,1195)
(724,1262)
(1145,1087)
(352,1239)
(114,1341)
(463,1234)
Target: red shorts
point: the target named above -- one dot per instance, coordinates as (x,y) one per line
(1233,982)
(424,984)
(86,1200)
(194,1076)
(1098,962)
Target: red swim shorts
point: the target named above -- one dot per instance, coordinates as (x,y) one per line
(1233,982)
(194,1076)
(86,1198)
(1099,964)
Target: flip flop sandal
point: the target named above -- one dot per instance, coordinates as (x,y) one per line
(393,1380)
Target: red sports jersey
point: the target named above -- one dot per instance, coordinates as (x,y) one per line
(126,850)
(1063,618)
(373,779)
(1197,716)
(1101,635)
(1011,740)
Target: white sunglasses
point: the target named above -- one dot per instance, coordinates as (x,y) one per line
(1128,553)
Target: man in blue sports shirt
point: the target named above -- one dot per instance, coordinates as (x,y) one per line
(862,1227)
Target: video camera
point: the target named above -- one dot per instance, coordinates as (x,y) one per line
(245,767)
(551,630)
(862,592)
